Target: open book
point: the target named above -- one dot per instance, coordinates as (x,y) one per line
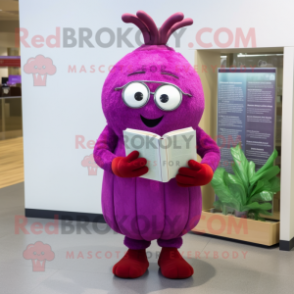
(166,154)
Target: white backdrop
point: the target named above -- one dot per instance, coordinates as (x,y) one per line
(69,104)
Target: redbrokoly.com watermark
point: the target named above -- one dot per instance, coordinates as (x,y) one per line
(217,224)
(107,37)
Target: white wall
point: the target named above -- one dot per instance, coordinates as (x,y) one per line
(70,104)
(287,158)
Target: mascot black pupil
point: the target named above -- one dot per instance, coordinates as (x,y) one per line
(138,96)
(164,98)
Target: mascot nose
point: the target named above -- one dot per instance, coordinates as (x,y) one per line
(152,87)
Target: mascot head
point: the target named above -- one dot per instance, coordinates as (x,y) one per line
(153,88)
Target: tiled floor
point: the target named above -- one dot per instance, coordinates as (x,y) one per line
(82,262)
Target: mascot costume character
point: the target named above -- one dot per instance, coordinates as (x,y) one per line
(141,209)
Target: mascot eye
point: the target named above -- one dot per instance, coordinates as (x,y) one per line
(167,97)
(136,95)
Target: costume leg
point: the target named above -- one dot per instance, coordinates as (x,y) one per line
(176,242)
(136,244)
(171,262)
(134,263)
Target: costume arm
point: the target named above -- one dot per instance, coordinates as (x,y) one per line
(104,148)
(207,149)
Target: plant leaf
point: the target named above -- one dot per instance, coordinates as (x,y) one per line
(270,186)
(269,163)
(251,170)
(257,188)
(237,189)
(258,212)
(222,190)
(262,196)
(259,206)
(273,185)
(265,212)
(240,166)
(267,175)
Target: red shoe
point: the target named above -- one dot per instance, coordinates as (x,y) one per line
(173,265)
(133,265)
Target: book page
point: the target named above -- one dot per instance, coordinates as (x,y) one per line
(180,131)
(180,148)
(141,132)
(148,147)
(163,145)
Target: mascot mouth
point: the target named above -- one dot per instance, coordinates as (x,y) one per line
(151,122)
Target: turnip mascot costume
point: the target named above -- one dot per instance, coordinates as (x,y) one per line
(144,210)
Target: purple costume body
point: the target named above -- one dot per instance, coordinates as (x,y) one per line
(141,209)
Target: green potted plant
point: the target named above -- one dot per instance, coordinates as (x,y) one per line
(246,191)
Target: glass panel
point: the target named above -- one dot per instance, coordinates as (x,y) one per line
(11,118)
(264,60)
(10,97)
(1,120)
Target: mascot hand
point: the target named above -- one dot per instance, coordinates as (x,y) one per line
(197,174)
(129,166)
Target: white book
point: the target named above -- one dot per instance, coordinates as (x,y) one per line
(166,154)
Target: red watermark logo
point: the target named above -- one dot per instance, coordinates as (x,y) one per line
(237,39)
(86,37)
(88,161)
(40,66)
(91,165)
(38,253)
(176,68)
(215,254)
(216,224)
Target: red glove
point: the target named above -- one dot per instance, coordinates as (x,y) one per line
(130,166)
(197,174)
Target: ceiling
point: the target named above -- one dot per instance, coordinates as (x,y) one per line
(9,10)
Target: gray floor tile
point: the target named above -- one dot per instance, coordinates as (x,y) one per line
(83,262)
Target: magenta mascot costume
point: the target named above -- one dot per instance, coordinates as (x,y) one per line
(144,210)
